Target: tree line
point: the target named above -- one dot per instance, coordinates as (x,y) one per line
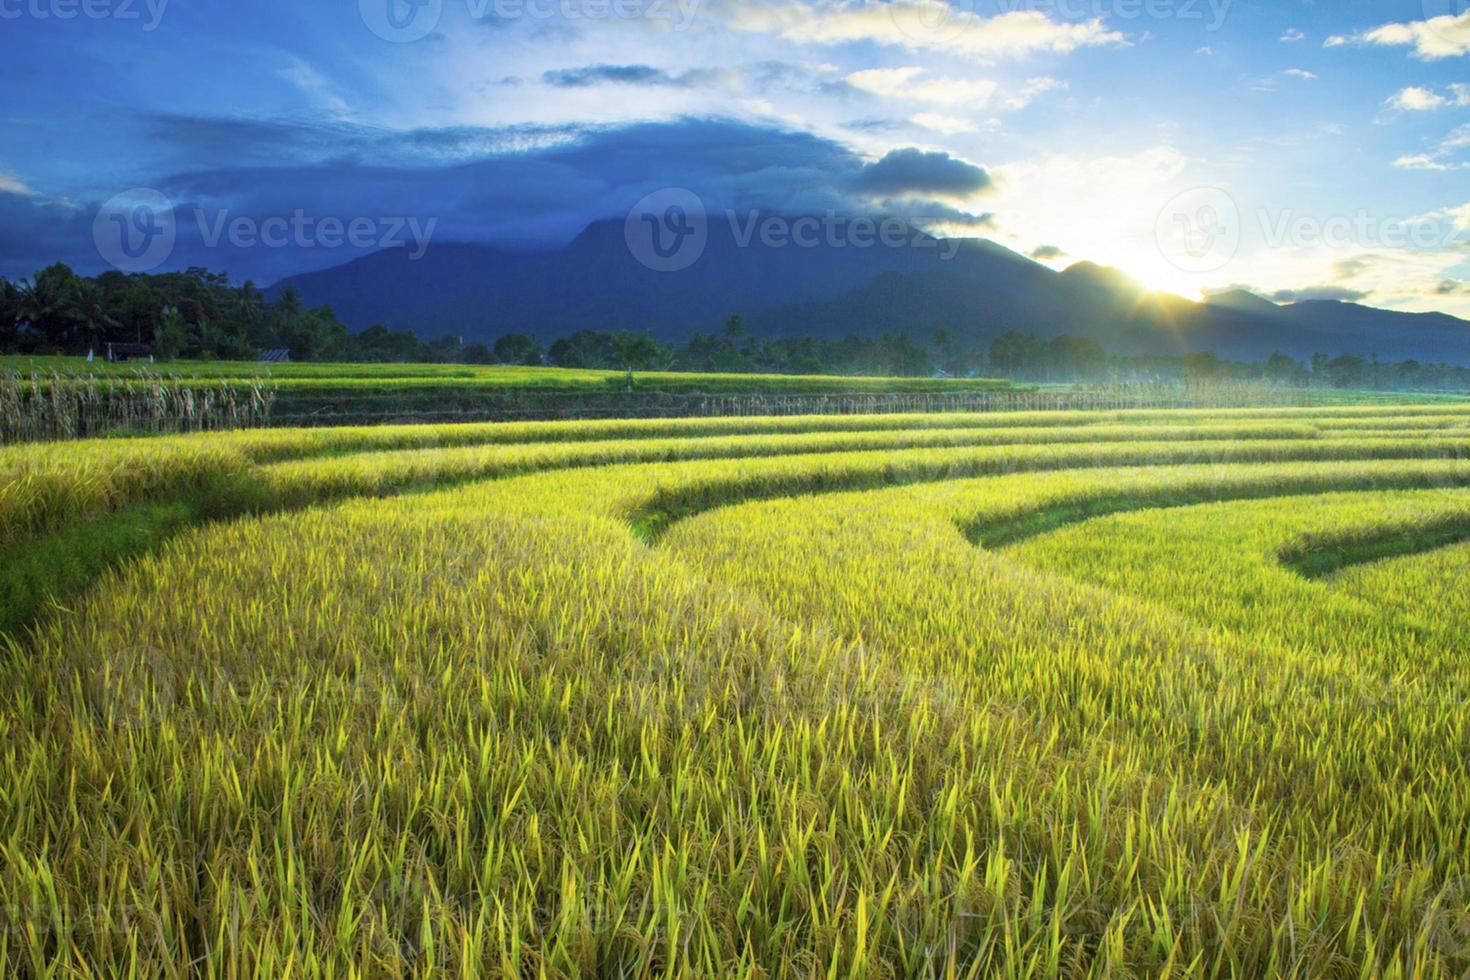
(197,314)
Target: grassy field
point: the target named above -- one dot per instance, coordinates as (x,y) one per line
(1161,693)
(45,399)
(308,377)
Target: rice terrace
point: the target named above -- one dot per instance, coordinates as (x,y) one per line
(1073,693)
(754,489)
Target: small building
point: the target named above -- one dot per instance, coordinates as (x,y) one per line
(126,352)
(276,355)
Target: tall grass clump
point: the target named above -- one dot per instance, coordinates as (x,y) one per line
(71,406)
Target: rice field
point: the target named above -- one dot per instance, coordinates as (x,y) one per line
(1098,694)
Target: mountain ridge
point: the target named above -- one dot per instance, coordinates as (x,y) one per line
(973,287)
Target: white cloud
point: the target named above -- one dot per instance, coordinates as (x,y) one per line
(1292,36)
(1301,73)
(940,123)
(1441,157)
(1423,161)
(1206,50)
(312,83)
(1416,99)
(907,83)
(1099,208)
(1106,209)
(11,184)
(1447,36)
(915,25)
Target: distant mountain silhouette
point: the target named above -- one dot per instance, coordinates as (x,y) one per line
(974,287)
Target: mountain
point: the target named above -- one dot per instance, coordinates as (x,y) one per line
(1244,301)
(844,284)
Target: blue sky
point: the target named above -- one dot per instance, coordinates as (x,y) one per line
(1300,149)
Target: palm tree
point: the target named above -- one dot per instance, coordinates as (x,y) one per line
(52,305)
(9,314)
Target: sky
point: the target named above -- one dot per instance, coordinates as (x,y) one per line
(1298,149)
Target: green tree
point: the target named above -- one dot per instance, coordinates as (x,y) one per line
(518,348)
(903,357)
(734,330)
(1348,371)
(1075,359)
(172,337)
(1319,369)
(638,352)
(584,349)
(53,306)
(1283,370)
(477,354)
(1204,367)
(1015,355)
(9,314)
(954,358)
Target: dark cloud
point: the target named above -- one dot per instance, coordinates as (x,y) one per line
(1338,293)
(591,75)
(761,76)
(876,124)
(1453,287)
(222,142)
(515,187)
(35,232)
(1351,268)
(1047,252)
(911,170)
